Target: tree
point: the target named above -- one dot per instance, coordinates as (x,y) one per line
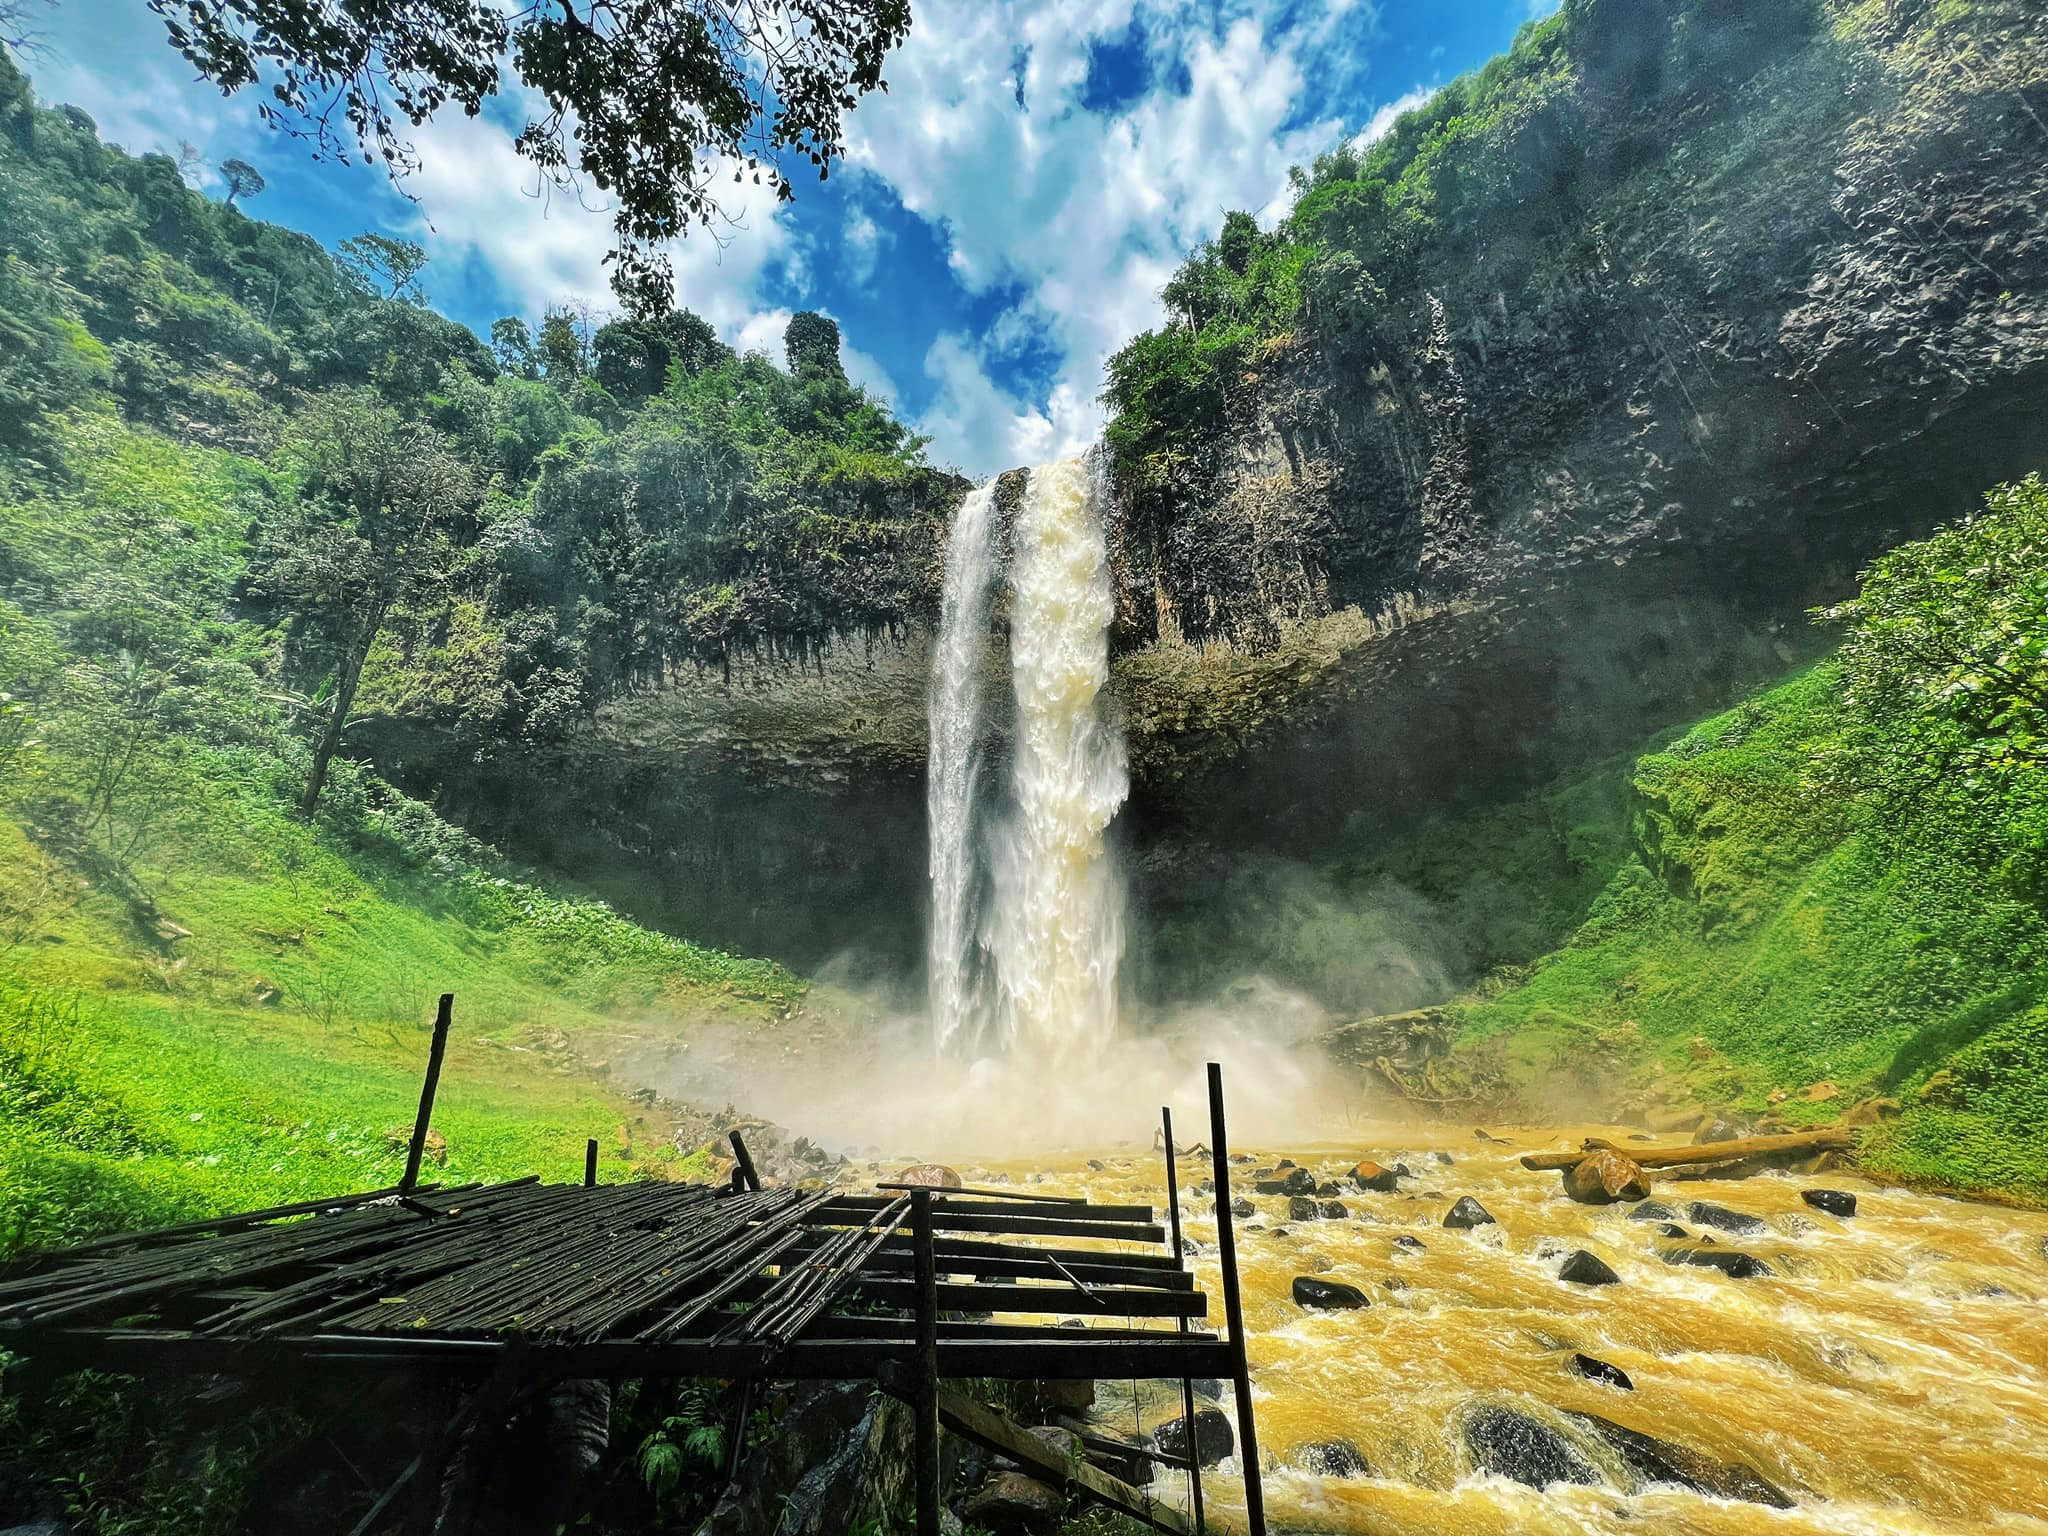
(811,342)
(512,345)
(17,31)
(394,264)
(564,356)
(648,100)
(372,528)
(244,180)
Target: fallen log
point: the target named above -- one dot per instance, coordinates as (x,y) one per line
(1830,1139)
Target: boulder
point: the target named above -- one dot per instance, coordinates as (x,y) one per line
(1735,1265)
(1372,1176)
(1664,1461)
(1301,1208)
(1295,1181)
(1332,1210)
(1467,1214)
(1242,1209)
(1599,1370)
(1819,1093)
(1010,1503)
(1721,1219)
(1214,1440)
(1652,1210)
(1584,1268)
(1513,1445)
(1331,1458)
(1873,1112)
(1836,1202)
(929,1176)
(1605,1177)
(1329,1189)
(1327,1295)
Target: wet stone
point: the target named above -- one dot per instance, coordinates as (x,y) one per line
(1737,1266)
(1332,1210)
(1664,1461)
(1719,1217)
(1242,1209)
(1010,1502)
(1214,1440)
(1296,1181)
(1835,1202)
(1407,1244)
(1584,1268)
(1327,1295)
(1513,1445)
(1652,1210)
(1328,1189)
(1331,1458)
(1673,1229)
(1467,1214)
(1599,1370)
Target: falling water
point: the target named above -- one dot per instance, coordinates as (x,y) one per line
(956,723)
(1052,929)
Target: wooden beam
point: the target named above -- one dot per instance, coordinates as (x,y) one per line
(1831,1139)
(1187,1387)
(1233,1307)
(964,1416)
(435,1051)
(1063,1210)
(991,1194)
(926,1399)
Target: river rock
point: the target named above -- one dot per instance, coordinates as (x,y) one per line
(1652,1210)
(1327,1295)
(1296,1181)
(1329,1189)
(1513,1445)
(1214,1440)
(1605,1177)
(1302,1208)
(1123,1461)
(1599,1370)
(1467,1214)
(1407,1244)
(1371,1176)
(1673,1229)
(1721,1219)
(1735,1265)
(1242,1209)
(1584,1268)
(1010,1503)
(929,1176)
(1836,1202)
(1331,1458)
(1663,1461)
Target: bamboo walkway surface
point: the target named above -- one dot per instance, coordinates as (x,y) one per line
(625,1280)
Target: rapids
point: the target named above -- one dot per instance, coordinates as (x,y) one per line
(1893,1378)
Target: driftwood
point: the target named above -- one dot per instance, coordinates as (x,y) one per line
(1831,1139)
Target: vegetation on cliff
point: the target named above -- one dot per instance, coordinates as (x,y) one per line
(1839,881)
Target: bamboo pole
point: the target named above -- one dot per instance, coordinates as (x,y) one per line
(1233,1311)
(1187,1386)
(417,1149)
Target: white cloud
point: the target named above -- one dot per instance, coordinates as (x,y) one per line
(1087,212)
(862,240)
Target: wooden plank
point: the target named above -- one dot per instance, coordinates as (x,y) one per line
(1065,1300)
(964,1416)
(1020,1263)
(992,1194)
(1064,1210)
(946,1220)
(1831,1139)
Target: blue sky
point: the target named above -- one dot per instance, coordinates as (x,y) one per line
(1004,221)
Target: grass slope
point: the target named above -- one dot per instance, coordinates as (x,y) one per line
(1766,930)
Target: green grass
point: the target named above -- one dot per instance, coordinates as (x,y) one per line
(260,1038)
(1769,928)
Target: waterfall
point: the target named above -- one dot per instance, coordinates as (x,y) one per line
(1052,927)
(956,725)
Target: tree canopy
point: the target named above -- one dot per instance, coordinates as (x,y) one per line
(652,102)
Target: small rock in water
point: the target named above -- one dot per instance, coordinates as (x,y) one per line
(1395,1283)
(1279,1232)
(1301,1208)
(1096,1164)
(1441,1158)
(1513,1445)
(1327,1295)
(1331,1458)
(1409,1244)
(1664,1461)
(1297,1181)
(1836,1202)
(1214,1440)
(1328,1189)
(1370,1175)
(1722,1219)
(1605,1177)
(1673,1229)
(1737,1266)
(1242,1209)
(1584,1268)
(1332,1210)
(1601,1371)
(1467,1214)
(1652,1210)
(1317,1263)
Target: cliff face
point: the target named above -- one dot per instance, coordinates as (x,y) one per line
(1716,301)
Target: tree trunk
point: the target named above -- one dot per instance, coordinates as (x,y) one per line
(347,680)
(1828,1139)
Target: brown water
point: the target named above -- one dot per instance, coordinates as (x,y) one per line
(1892,1378)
